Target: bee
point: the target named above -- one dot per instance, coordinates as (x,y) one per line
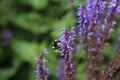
(55,46)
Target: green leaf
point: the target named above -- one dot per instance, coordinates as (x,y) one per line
(81,72)
(6,73)
(25,50)
(36,4)
(67,22)
(52,61)
(77,2)
(32,22)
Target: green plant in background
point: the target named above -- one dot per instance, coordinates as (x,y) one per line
(34,24)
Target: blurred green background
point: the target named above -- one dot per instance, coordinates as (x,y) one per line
(34,24)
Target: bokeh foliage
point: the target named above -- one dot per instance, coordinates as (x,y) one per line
(34,24)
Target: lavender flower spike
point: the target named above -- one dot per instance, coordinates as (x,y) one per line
(113,66)
(41,71)
(67,50)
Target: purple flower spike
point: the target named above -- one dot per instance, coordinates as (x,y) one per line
(66,39)
(67,50)
(113,65)
(41,70)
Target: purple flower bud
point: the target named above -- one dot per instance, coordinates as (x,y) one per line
(111,30)
(44,61)
(118,9)
(98,40)
(72,66)
(80,10)
(63,35)
(45,51)
(102,28)
(112,4)
(36,60)
(113,23)
(89,35)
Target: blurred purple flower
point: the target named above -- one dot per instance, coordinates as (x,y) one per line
(60,70)
(117,49)
(118,9)
(45,51)
(6,36)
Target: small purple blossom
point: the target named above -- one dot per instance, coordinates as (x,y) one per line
(112,4)
(111,30)
(118,9)
(113,23)
(89,35)
(45,51)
